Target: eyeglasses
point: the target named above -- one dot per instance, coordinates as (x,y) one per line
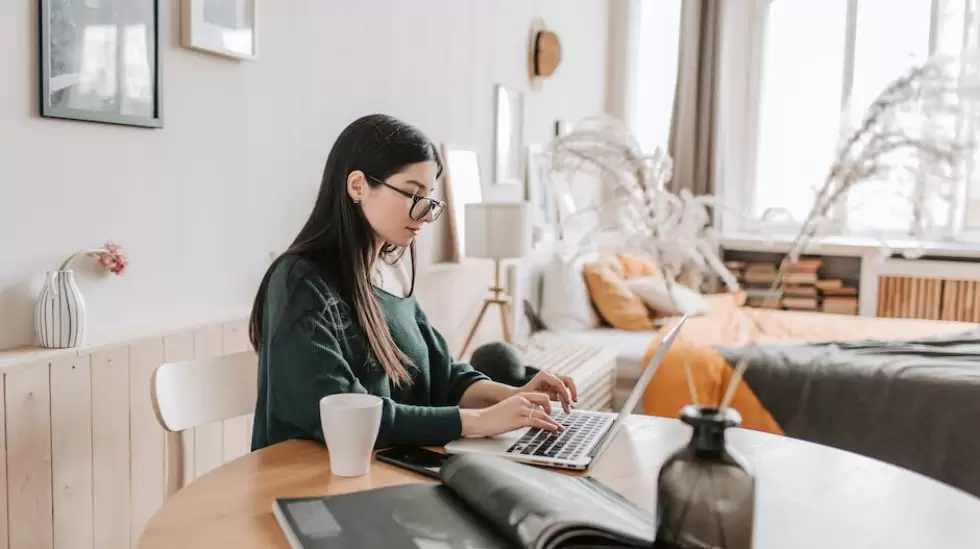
(422,206)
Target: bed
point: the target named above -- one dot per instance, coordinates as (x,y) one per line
(905,391)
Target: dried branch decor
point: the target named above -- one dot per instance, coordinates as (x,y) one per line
(638,213)
(920,129)
(922,126)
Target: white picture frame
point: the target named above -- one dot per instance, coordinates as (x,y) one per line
(463,186)
(541,197)
(508,143)
(227,28)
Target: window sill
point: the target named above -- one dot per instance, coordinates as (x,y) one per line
(847,246)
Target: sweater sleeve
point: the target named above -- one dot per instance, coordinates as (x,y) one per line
(309,359)
(450,378)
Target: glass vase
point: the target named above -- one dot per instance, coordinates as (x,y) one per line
(705,489)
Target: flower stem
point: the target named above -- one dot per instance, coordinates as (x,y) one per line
(76,254)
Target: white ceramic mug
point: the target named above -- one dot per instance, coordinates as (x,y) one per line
(350,423)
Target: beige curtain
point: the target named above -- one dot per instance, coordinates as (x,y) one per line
(693,123)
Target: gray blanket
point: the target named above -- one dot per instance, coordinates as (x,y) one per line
(912,403)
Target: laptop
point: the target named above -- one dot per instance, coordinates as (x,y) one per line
(587,433)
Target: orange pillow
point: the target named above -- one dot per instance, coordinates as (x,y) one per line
(616,303)
(634,266)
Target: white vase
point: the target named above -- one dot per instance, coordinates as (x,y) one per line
(59,314)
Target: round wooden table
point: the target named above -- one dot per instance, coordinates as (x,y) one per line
(809,496)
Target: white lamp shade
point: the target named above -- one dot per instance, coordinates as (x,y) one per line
(498,230)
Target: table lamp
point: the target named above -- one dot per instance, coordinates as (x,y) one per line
(497,231)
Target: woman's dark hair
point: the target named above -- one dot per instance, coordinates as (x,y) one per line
(337,238)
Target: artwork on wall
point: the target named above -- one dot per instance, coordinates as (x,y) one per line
(462,180)
(221,27)
(539,193)
(99,61)
(508,136)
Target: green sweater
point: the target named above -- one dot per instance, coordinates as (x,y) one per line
(312,347)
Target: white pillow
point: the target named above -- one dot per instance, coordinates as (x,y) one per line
(652,290)
(566,305)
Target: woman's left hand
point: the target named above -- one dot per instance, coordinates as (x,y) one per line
(558,388)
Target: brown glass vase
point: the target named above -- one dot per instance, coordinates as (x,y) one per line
(705,490)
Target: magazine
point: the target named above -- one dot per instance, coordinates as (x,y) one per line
(483,502)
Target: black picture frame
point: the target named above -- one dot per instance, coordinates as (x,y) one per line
(55,106)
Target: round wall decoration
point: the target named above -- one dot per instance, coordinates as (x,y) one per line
(544,52)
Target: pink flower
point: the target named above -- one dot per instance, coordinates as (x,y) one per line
(109,256)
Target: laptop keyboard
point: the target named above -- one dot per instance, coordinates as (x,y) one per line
(580,430)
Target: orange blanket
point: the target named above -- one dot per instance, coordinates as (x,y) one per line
(731,324)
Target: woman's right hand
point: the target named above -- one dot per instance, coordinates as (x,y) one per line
(528,409)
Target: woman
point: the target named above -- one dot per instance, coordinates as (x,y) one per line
(336,313)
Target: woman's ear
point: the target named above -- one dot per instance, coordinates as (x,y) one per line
(356,185)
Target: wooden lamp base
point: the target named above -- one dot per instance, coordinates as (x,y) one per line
(499,298)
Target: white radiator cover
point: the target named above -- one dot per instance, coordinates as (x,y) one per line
(928,289)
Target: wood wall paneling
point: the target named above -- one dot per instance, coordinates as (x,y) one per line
(236,432)
(71,451)
(111,472)
(147,490)
(27,409)
(208,439)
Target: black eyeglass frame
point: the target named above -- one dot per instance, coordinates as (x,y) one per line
(432,202)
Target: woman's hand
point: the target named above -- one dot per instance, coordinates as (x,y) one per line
(558,388)
(520,410)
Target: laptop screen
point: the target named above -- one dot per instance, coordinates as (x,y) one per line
(642,383)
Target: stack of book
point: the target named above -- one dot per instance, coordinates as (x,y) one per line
(800,279)
(837,298)
(737,268)
(757,277)
(802,288)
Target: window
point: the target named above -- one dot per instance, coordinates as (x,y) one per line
(799,101)
(658,45)
(818,66)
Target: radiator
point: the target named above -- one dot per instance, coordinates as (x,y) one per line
(933,290)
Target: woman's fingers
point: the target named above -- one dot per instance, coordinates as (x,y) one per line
(537,418)
(570,383)
(544,424)
(539,399)
(557,388)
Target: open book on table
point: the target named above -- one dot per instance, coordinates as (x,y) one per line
(483,502)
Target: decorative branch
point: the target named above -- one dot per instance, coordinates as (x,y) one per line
(891,139)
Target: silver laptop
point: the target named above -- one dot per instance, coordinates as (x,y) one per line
(586,434)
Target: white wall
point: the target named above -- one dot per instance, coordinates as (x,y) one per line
(199,205)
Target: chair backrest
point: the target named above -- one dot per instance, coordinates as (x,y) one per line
(190,393)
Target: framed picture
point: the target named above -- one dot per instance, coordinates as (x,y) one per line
(508,136)
(221,27)
(539,193)
(100,61)
(462,180)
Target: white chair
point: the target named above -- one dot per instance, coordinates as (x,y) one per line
(191,393)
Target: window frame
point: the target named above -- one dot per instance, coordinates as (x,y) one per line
(738,137)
